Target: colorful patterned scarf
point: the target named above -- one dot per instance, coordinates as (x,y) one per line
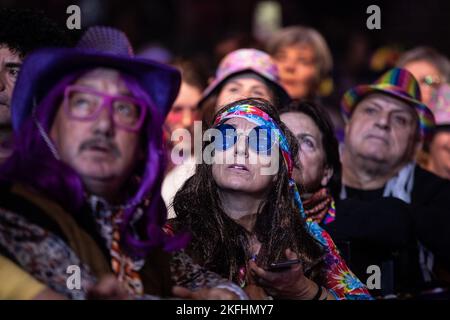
(123,266)
(320,207)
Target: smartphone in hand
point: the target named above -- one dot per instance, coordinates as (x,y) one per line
(282,266)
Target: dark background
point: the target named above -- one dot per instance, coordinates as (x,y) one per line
(194,28)
(188,26)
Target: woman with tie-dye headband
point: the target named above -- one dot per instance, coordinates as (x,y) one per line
(243,73)
(244,217)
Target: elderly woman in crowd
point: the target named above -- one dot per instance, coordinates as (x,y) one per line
(319,175)
(246,214)
(432,71)
(303,59)
(437,150)
(429,67)
(305,63)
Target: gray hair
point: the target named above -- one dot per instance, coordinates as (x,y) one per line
(303,35)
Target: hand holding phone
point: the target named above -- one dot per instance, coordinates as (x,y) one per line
(282,266)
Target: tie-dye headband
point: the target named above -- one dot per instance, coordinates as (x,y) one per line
(260,118)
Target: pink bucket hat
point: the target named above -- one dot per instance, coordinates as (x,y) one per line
(440,105)
(247,60)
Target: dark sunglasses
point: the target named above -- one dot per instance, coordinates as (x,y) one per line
(259,138)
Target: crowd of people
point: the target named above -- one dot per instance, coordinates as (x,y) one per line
(276,195)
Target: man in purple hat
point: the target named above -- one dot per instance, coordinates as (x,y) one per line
(386,125)
(81,191)
(21,32)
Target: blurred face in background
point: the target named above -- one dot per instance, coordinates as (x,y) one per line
(314,172)
(439,161)
(10,63)
(243,86)
(427,75)
(298,70)
(184,110)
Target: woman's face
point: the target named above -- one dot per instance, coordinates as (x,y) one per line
(428,77)
(314,172)
(241,87)
(440,154)
(182,115)
(298,69)
(239,167)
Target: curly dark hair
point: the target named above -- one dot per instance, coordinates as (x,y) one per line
(330,144)
(220,244)
(23,31)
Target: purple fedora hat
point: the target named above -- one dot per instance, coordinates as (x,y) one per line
(99,47)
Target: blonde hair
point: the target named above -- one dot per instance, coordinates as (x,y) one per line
(304,35)
(438,60)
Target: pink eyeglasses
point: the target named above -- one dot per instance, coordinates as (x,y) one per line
(85,104)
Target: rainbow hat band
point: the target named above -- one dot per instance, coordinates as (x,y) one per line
(398,83)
